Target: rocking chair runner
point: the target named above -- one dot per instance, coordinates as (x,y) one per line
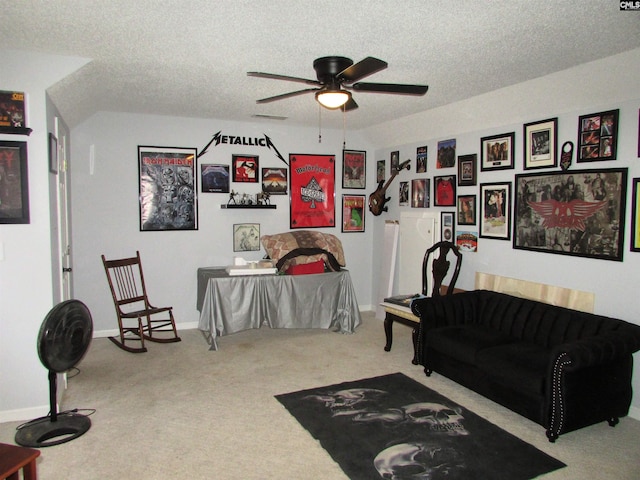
(129,292)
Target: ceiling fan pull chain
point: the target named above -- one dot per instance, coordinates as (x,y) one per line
(344,128)
(319,124)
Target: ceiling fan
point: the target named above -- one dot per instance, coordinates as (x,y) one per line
(338,75)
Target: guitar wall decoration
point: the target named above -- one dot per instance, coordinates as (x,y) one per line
(377,200)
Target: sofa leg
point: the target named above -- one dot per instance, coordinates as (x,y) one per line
(613,421)
(552,436)
(428,372)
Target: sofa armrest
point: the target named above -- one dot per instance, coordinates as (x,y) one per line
(446,310)
(598,350)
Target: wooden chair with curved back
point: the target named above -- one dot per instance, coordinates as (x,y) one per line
(440,268)
(137,318)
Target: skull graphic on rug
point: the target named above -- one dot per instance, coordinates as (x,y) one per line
(419,461)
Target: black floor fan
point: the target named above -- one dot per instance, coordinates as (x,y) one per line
(64,338)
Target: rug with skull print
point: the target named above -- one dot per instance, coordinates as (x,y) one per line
(392,427)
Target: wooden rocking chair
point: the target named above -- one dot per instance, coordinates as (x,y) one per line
(137,318)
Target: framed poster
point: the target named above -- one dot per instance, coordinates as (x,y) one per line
(447,226)
(635,217)
(495,217)
(214,178)
(420,192)
(246,237)
(353,213)
(598,136)
(497,152)
(446,153)
(354,166)
(274,181)
(421,159)
(577,213)
(168,186)
(541,144)
(14,183)
(395,161)
(312,196)
(444,191)
(12,110)
(467,170)
(403,194)
(380,171)
(245,168)
(466,210)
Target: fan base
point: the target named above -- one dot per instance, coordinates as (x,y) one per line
(46,433)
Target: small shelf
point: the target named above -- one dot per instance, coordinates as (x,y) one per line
(16,130)
(272,207)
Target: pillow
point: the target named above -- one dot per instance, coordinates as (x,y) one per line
(279,245)
(307,268)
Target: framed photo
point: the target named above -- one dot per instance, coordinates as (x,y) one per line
(168,186)
(395,161)
(214,178)
(467,210)
(403,194)
(274,181)
(380,170)
(354,165)
(13,112)
(495,217)
(635,217)
(421,159)
(446,153)
(497,152)
(246,237)
(447,226)
(598,136)
(577,213)
(245,168)
(14,183)
(541,144)
(420,192)
(312,193)
(353,213)
(444,191)
(53,153)
(467,170)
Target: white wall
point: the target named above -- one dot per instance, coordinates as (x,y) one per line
(599,86)
(105,208)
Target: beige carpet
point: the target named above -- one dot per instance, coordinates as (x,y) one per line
(181,411)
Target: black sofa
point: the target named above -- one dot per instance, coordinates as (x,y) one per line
(561,368)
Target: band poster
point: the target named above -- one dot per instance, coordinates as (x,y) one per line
(167,188)
(312,190)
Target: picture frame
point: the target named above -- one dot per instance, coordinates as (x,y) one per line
(274,181)
(497,152)
(444,191)
(467,209)
(446,153)
(312,190)
(168,188)
(14,183)
(447,226)
(403,194)
(353,213)
(246,237)
(214,178)
(53,154)
(420,193)
(579,213)
(495,210)
(467,170)
(541,144)
(467,241)
(354,169)
(13,115)
(394,161)
(245,168)
(635,216)
(421,159)
(598,136)
(380,170)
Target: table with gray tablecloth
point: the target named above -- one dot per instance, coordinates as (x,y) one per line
(230,304)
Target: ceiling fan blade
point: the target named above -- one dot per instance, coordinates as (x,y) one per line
(350,105)
(275,76)
(361,69)
(286,95)
(391,88)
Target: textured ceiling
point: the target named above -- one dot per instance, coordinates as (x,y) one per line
(190,57)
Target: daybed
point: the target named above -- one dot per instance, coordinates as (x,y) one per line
(561,368)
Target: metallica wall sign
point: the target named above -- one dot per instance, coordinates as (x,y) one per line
(312,190)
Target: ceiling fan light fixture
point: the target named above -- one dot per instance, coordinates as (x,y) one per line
(333,99)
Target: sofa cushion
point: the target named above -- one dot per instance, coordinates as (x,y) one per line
(520,365)
(463,342)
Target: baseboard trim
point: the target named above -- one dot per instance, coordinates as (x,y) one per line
(115,332)
(24,414)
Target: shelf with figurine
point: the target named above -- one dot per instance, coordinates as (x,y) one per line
(245,200)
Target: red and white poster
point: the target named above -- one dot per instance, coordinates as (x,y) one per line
(312,190)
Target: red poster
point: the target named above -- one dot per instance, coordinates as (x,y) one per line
(312,190)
